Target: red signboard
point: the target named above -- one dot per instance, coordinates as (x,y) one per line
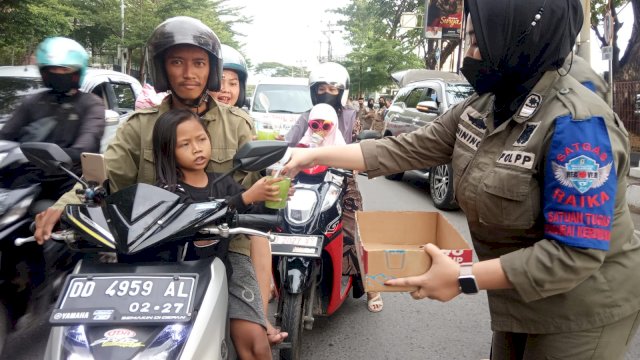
(443,19)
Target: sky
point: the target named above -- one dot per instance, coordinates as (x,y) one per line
(291,32)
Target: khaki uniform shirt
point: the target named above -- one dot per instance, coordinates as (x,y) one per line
(129,156)
(499,182)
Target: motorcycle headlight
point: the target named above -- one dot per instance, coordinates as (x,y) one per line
(331,197)
(300,207)
(166,345)
(17,211)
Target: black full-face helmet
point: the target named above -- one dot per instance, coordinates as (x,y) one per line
(183,30)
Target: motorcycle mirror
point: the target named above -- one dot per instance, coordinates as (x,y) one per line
(264,101)
(257,155)
(50,158)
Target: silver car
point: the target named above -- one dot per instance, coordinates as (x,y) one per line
(423,96)
(118,91)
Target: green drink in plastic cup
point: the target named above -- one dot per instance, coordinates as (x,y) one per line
(284,185)
(266,134)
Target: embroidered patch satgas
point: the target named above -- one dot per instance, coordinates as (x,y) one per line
(580,184)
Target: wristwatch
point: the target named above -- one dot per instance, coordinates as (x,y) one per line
(467,281)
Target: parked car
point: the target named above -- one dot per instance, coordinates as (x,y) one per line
(636,109)
(423,96)
(277,103)
(117,90)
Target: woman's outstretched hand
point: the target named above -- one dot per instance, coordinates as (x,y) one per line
(300,159)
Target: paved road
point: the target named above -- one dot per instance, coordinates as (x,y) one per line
(405,329)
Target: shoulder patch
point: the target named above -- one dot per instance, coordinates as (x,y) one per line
(531,105)
(580,184)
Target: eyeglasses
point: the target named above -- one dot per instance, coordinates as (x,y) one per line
(321,125)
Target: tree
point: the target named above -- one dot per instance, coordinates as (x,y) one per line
(381,46)
(625,66)
(25,23)
(96,24)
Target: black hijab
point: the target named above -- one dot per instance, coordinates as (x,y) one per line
(518,50)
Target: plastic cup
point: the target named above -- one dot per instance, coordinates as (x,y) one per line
(284,185)
(266,135)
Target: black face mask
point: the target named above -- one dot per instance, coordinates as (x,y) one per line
(326,98)
(61,83)
(482,76)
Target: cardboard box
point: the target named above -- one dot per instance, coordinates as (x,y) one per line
(389,245)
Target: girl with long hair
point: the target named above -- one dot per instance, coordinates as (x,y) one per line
(182,151)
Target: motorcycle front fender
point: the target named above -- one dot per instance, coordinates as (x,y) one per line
(297,274)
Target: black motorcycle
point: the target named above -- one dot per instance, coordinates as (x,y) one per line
(151,302)
(30,275)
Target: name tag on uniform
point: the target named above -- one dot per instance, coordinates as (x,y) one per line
(517,158)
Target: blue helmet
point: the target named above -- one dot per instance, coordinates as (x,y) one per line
(233,60)
(63,52)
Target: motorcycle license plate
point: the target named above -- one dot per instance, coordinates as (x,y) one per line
(124,298)
(297,245)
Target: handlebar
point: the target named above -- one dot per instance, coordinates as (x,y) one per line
(66,236)
(225,231)
(258,221)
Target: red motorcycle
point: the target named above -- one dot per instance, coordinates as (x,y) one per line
(308,270)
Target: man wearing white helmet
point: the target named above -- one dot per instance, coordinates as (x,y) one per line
(329,84)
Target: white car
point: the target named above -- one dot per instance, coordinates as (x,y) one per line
(117,90)
(277,103)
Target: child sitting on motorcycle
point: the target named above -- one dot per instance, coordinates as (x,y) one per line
(182,151)
(322,130)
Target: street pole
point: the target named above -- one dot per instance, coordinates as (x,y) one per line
(121,46)
(609,43)
(584,45)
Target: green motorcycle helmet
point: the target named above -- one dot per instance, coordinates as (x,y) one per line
(62,52)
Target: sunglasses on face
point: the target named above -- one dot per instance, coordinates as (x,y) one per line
(321,125)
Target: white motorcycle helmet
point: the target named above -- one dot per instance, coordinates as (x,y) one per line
(333,74)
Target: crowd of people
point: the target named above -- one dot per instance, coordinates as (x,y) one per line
(559,285)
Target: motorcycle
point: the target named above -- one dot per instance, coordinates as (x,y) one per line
(137,308)
(309,274)
(30,276)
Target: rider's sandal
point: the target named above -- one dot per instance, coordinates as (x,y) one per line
(375,304)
